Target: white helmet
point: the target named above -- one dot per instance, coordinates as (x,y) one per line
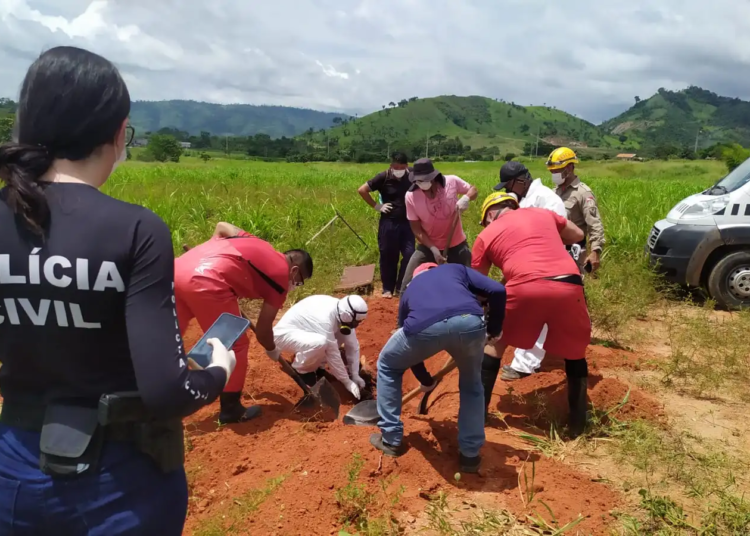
(352,309)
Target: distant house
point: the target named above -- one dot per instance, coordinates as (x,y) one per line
(140,142)
(185,144)
(626,156)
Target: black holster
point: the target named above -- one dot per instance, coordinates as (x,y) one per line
(72,436)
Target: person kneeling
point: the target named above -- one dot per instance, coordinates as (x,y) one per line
(439,311)
(315,328)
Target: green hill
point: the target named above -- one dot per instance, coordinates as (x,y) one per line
(231,119)
(476,121)
(676,117)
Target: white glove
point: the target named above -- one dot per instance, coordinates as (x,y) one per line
(359,381)
(221,357)
(439,259)
(354,389)
(385,208)
(274,354)
(463,203)
(428,388)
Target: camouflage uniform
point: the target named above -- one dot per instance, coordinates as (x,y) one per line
(580,203)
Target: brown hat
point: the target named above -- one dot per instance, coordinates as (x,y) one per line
(423,171)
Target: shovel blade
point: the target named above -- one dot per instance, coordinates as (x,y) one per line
(363,414)
(324,392)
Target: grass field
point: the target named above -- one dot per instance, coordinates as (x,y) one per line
(691,474)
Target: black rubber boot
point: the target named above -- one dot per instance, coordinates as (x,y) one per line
(232,410)
(469,465)
(490,370)
(376,440)
(577,373)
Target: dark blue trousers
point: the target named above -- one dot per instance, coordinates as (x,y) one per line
(127,496)
(395,239)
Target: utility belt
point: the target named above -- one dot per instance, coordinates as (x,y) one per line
(73,434)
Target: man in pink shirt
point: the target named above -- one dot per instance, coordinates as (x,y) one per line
(431,204)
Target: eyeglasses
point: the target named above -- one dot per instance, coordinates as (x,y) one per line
(129,135)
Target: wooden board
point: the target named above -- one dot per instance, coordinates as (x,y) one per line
(356,277)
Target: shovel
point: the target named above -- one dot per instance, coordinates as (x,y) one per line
(366,413)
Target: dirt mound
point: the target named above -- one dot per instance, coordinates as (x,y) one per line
(609,392)
(279,473)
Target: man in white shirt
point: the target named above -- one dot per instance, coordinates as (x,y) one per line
(315,328)
(516,179)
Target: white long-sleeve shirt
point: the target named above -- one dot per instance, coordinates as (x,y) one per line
(540,196)
(318,314)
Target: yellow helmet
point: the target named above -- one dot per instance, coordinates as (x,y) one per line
(561,157)
(493,199)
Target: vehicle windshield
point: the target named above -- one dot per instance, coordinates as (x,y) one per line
(737,178)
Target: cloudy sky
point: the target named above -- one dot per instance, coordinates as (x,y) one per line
(588,57)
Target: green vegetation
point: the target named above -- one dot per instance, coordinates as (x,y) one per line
(230,520)
(670,121)
(226,120)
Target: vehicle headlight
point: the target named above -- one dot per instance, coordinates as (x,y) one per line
(701,209)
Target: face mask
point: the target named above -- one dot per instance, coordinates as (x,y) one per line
(123,156)
(557,178)
(425,185)
(398,173)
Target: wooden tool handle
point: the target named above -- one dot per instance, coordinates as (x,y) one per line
(450,233)
(449,366)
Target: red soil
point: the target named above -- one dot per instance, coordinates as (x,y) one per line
(225,463)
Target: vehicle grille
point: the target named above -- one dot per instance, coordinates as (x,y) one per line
(653,237)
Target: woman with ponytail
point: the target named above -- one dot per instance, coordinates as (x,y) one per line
(94,378)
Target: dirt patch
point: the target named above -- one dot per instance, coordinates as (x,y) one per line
(225,463)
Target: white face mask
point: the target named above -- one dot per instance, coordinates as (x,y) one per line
(120,159)
(398,173)
(425,185)
(557,178)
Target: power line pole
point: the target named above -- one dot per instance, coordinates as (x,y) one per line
(695,150)
(536,149)
(427,147)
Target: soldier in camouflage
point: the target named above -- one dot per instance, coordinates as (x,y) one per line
(580,203)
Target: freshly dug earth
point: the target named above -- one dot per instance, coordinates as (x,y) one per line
(225,463)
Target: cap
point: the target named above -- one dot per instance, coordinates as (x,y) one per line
(510,171)
(352,308)
(423,268)
(422,171)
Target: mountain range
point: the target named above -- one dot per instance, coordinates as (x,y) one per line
(674,118)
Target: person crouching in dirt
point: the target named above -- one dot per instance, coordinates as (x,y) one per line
(439,311)
(431,208)
(544,287)
(209,279)
(315,328)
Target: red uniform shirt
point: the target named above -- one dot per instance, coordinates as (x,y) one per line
(525,244)
(220,266)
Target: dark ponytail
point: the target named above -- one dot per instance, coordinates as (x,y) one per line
(72,103)
(21,167)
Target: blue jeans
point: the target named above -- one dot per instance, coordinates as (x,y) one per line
(463,338)
(128,495)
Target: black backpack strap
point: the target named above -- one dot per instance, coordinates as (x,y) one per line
(273,284)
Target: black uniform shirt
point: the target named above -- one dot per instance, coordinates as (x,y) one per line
(91,309)
(392,190)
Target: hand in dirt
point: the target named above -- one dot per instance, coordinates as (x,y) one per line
(360,382)
(353,388)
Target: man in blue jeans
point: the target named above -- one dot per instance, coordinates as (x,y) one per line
(440,311)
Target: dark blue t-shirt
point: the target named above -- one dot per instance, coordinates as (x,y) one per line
(450,290)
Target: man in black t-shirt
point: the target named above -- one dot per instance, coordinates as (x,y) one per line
(395,236)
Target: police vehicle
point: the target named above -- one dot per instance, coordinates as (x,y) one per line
(705,240)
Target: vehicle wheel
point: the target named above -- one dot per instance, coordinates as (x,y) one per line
(729,281)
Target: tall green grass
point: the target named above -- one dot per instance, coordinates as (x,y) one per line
(287,204)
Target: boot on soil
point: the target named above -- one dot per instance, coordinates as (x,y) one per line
(510,374)
(469,465)
(578,406)
(376,440)
(490,370)
(232,410)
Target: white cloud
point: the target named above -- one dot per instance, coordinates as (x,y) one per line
(586,57)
